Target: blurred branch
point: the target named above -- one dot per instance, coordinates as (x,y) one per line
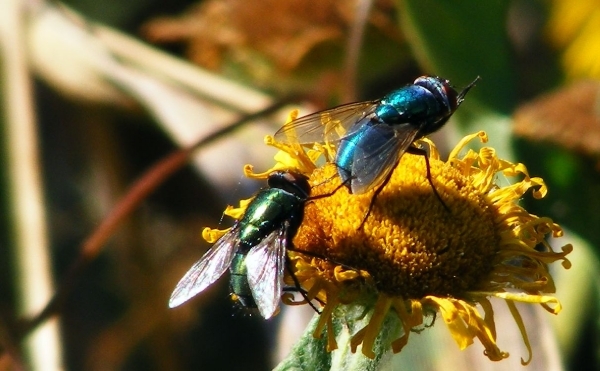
(354,46)
(146,184)
(24,188)
(203,83)
(94,63)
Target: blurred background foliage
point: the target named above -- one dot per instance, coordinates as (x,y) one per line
(116,86)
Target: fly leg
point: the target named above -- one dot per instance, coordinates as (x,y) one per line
(347,181)
(375,194)
(422,152)
(288,266)
(295,279)
(311,198)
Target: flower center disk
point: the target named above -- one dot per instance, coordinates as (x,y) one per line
(410,244)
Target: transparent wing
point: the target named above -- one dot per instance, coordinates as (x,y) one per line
(265,264)
(206,270)
(325,126)
(373,163)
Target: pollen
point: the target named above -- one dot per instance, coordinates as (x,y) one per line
(411,243)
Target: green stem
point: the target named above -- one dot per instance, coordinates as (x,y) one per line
(311,354)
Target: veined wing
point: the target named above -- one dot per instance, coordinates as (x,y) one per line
(265,264)
(206,270)
(325,126)
(373,162)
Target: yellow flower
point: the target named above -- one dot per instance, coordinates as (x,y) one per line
(573,26)
(413,257)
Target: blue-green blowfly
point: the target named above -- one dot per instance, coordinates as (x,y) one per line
(254,249)
(372,136)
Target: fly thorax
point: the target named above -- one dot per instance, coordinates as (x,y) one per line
(250,235)
(410,104)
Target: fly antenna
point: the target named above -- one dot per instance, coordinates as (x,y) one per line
(461,95)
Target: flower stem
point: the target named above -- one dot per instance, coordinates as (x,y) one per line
(311,354)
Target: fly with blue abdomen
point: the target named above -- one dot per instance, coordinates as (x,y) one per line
(372,136)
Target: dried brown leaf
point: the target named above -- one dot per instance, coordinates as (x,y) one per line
(569,117)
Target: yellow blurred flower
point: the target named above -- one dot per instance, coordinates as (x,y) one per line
(575,27)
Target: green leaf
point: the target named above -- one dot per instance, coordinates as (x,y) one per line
(310,353)
(460,40)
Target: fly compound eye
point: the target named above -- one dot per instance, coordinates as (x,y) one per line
(290,177)
(277,179)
